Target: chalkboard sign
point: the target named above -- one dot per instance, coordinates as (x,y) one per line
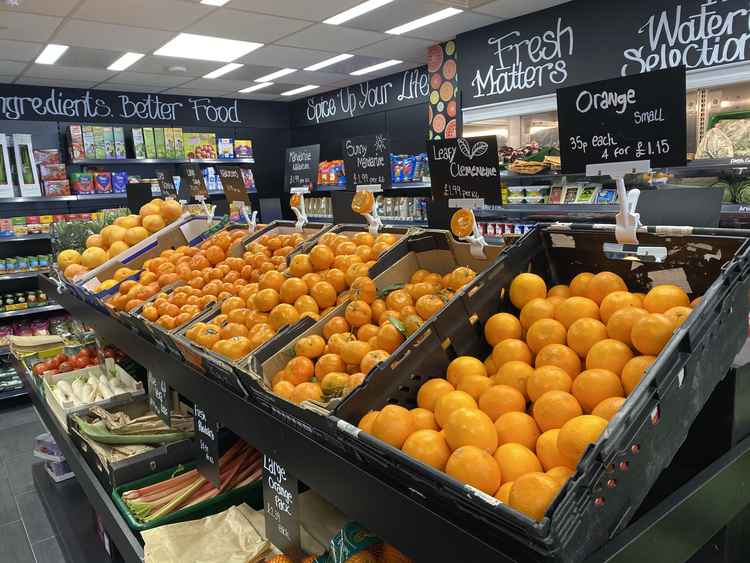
(465,169)
(625,119)
(166,185)
(234,185)
(207,440)
(192,178)
(160,398)
(281,508)
(367,160)
(301,168)
(138,195)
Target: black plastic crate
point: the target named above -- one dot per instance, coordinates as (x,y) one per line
(615,474)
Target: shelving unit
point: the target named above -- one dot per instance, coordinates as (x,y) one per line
(21,275)
(93,162)
(30,311)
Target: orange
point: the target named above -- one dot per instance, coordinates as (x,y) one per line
(634,370)
(561,474)
(462,366)
(602,284)
(353,351)
(532,494)
(547,452)
(365,423)
(501,326)
(336,278)
(365,289)
(424,419)
(579,284)
(336,342)
(310,280)
(526,287)
(470,427)
(265,300)
(393,425)
(621,323)
(695,302)
(559,290)
(321,257)
(428,446)
(299,369)
(460,277)
(431,391)
(428,305)
(284,389)
(576,434)
(291,289)
(499,399)
(231,304)
(311,346)
(271,280)
(514,374)
(503,493)
(536,309)
(450,402)
(574,308)
(516,460)
(543,332)
(389,337)
(547,378)
(324,294)
(608,407)
(475,467)
(556,300)
(282,315)
(367,331)
(300,265)
(678,315)
(561,356)
(650,334)
(663,297)
(307,391)
(214,253)
(592,386)
(306,304)
(398,299)
(233,329)
(609,354)
(516,427)
(615,301)
(509,350)
(489,365)
(475,385)
(555,408)
(335,325)
(358,313)
(328,363)
(372,359)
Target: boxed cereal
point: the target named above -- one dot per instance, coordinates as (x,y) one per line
(139,147)
(225,148)
(45,157)
(119,182)
(148,136)
(99,149)
(179,145)
(53,172)
(103,182)
(161,147)
(169,142)
(54,188)
(243,148)
(109,143)
(89,142)
(75,142)
(120,152)
(82,183)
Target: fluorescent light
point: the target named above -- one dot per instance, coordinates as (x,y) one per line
(223,70)
(300,90)
(357,11)
(206,48)
(275,75)
(50,54)
(255,87)
(214,2)
(501,132)
(373,68)
(426,20)
(128,59)
(329,62)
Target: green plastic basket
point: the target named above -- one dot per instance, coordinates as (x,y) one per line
(251,494)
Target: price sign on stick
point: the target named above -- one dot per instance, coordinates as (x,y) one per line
(193,179)
(207,440)
(465,169)
(281,508)
(160,398)
(234,185)
(166,185)
(367,160)
(301,168)
(633,118)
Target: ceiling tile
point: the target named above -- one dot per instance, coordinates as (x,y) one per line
(216,85)
(14,68)
(234,24)
(56,82)
(160,65)
(192,92)
(323,9)
(68,73)
(395,14)
(19,50)
(156,80)
(27,27)
(173,15)
(514,8)
(332,38)
(249,73)
(129,88)
(46,7)
(401,48)
(107,36)
(88,58)
(450,27)
(256,96)
(319,77)
(5,79)
(278,56)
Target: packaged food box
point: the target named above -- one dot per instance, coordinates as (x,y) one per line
(119,134)
(225,148)
(179,145)
(82,183)
(103,182)
(243,148)
(139,146)
(89,142)
(606,195)
(6,227)
(99,149)
(109,143)
(161,147)
(119,182)
(75,142)
(587,193)
(169,142)
(150,142)
(570,194)
(200,145)
(45,157)
(55,188)
(53,172)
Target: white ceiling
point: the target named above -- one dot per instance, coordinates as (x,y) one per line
(100,31)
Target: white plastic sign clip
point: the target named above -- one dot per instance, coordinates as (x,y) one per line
(374,223)
(207,209)
(300,212)
(475,239)
(627,220)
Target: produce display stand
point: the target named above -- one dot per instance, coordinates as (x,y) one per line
(683,518)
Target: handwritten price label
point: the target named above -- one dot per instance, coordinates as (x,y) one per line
(280,495)
(159,397)
(207,439)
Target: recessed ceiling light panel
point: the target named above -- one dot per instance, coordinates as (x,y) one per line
(300,90)
(127,60)
(426,20)
(50,54)
(255,87)
(378,66)
(275,75)
(214,2)
(357,11)
(329,62)
(206,48)
(226,69)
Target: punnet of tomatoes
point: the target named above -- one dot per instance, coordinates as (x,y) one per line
(63,363)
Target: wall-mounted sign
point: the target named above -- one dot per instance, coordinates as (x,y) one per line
(465,169)
(367,160)
(638,117)
(538,53)
(402,89)
(301,168)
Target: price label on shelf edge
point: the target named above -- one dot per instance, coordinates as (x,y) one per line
(632,118)
(281,508)
(465,169)
(160,398)
(207,443)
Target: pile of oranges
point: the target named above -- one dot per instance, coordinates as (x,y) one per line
(516,424)
(310,286)
(334,363)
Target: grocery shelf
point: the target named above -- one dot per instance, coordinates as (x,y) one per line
(31,311)
(24,238)
(373,502)
(164,161)
(22,275)
(403,223)
(322,189)
(126,541)
(12,393)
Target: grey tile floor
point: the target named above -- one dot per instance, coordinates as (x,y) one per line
(26,535)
